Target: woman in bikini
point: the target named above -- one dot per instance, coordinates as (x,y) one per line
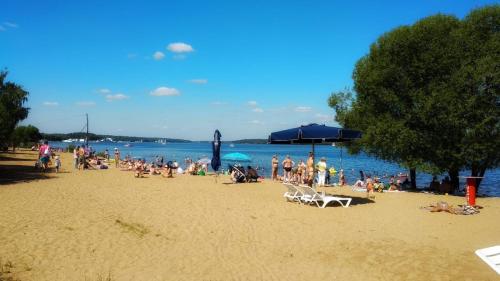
(274,165)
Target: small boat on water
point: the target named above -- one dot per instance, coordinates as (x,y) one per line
(231,145)
(127,145)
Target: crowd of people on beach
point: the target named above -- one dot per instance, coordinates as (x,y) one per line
(302,172)
(306,172)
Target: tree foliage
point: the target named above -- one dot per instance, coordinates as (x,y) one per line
(427,94)
(25,136)
(12,110)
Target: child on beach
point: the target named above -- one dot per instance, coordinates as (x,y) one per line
(57,163)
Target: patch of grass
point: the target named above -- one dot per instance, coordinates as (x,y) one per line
(107,278)
(6,271)
(135,228)
(102,278)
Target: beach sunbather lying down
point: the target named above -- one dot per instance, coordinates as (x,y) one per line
(461,210)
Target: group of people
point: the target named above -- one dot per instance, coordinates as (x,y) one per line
(47,157)
(239,174)
(377,184)
(444,187)
(306,173)
(84,157)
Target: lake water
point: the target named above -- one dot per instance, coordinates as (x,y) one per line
(261,156)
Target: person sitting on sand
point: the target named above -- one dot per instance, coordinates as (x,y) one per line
(139,169)
(191,170)
(378,185)
(237,174)
(434,185)
(251,174)
(361,181)
(445,186)
(393,186)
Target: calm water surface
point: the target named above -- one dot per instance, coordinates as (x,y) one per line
(261,156)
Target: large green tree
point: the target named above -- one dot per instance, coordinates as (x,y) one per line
(25,136)
(427,95)
(12,110)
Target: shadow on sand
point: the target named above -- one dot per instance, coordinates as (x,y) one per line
(10,174)
(23,171)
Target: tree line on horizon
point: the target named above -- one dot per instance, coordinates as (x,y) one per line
(426,96)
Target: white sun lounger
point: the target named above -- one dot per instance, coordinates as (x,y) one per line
(292,193)
(311,196)
(491,256)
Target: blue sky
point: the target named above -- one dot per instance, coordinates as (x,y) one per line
(181,69)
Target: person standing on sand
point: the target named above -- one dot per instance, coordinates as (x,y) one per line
(75,156)
(81,157)
(117,158)
(106,154)
(287,168)
(341,178)
(274,165)
(321,171)
(310,169)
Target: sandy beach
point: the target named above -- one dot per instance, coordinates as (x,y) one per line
(89,225)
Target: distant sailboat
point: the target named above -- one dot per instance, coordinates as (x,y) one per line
(231,145)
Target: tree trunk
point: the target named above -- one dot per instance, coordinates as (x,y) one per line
(413,178)
(478,172)
(453,173)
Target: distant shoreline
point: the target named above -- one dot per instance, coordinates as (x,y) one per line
(97,137)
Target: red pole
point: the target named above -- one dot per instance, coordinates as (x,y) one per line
(470,194)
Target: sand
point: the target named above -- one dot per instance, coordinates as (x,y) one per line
(90,225)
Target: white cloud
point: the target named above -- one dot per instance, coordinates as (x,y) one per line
(104,91)
(50,103)
(179,47)
(11,24)
(258,109)
(158,55)
(252,103)
(198,81)
(116,97)
(303,109)
(85,103)
(165,91)
(219,103)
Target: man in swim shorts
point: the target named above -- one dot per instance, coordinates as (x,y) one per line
(287,168)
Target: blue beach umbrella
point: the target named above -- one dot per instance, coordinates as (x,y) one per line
(313,133)
(236,156)
(216,143)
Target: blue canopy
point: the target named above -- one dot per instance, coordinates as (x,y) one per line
(236,156)
(313,133)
